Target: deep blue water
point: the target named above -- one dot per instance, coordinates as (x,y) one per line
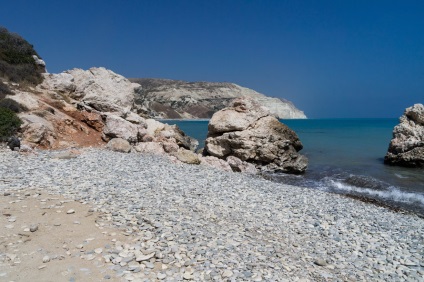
(345,156)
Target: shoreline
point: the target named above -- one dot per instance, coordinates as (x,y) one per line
(207,224)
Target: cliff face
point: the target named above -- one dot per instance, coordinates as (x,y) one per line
(162,98)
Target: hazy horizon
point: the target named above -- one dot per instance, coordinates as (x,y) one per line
(347,59)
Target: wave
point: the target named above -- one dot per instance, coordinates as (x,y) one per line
(391,193)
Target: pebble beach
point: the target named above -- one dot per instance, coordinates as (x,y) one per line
(175,222)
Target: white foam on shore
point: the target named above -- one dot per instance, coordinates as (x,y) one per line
(391,194)
(398,175)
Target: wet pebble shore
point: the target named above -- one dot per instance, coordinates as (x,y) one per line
(189,222)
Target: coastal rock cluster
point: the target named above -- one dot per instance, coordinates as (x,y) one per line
(84,108)
(248,132)
(93,107)
(164,98)
(407,146)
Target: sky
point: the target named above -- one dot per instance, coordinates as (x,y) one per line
(332,59)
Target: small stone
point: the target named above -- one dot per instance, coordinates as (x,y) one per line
(227,273)
(71,211)
(9,226)
(187,275)
(33,227)
(144,257)
(107,277)
(320,262)
(98,250)
(42,266)
(46,259)
(161,276)
(12,219)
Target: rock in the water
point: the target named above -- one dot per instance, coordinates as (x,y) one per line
(119,145)
(407,145)
(249,132)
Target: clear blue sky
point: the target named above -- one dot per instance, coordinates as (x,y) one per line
(333,59)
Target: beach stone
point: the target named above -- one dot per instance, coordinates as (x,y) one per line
(407,145)
(186,156)
(320,262)
(119,145)
(70,211)
(33,227)
(248,131)
(46,259)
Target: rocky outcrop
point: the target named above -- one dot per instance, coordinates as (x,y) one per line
(249,132)
(99,88)
(407,145)
(161,98)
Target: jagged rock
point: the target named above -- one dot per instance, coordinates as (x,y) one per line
(215,162)
(163,98)
(182,140)
(240,166)
(134,118)
(99,88)
(407,146)
(170,147)
(187,156)
(119,145)
(150,148)
(38,133)
(117,127)
(154,126)
(262,141)
(61,82)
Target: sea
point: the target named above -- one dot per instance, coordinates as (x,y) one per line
(346,157)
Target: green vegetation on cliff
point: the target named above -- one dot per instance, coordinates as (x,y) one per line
(16,61)
(9,123)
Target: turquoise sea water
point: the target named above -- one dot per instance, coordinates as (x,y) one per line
(346,156)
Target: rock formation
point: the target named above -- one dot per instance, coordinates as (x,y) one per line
(249,132)
(161,98)
(407,145)
(85,108)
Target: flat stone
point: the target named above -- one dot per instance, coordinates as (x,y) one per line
(71,211)
(320,262)
(144,257)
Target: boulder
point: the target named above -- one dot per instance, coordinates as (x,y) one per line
(248,131)
(117,127)
(238,165)
(119,145)
(186,156)
(150,148)
(187,142)
(215,162)
(99,88)
(407,146)
(14,143)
